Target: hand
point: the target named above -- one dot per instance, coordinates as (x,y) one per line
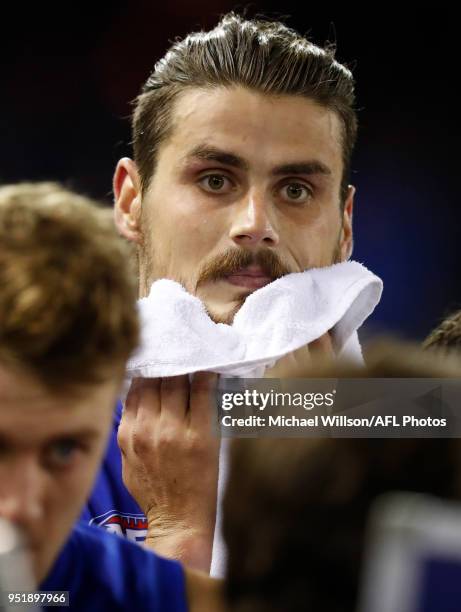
(170,458)
(299,363)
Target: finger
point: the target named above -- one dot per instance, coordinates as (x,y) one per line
(202,401)
(174,403)
(141,405)
(130,406)
(296,364)
(128,417)
(322,348)
(148,410)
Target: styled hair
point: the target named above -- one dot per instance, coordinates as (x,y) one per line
(263,56)
(295,510)
(67,295)
(447,336)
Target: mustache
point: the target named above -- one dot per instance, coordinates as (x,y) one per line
(233,260)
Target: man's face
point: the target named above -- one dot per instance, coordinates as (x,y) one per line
(246,189)
(50,449)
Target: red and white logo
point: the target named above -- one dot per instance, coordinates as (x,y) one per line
(131,526)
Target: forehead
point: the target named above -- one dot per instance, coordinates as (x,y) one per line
(264,129)
(29,412)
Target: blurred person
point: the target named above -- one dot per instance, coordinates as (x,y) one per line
(447,335)
(68,323)
(295,510)
(242,140)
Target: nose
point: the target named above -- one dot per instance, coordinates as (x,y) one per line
(252,225)
(21,492)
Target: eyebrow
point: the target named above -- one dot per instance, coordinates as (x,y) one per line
(214,154)
(85,433)
(308,167)
(82,435)
(228,158)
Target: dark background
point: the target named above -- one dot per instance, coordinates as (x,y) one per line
(68,74)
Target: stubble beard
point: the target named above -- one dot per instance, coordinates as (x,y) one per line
(150,269)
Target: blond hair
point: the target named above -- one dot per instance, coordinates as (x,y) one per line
(67,297)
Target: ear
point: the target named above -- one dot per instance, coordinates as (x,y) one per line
(346,239)
(127,200)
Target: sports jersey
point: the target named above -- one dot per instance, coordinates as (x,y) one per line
(103,572)
(110,504)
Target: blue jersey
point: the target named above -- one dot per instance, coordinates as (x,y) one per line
(104,572)
(110,505)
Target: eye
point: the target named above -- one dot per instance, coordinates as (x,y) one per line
(297,193)
(215,183)
(61,453)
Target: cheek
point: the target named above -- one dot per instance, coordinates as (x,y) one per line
(65,498)
(72,484)
(327,230)
(313,241)
(192,227)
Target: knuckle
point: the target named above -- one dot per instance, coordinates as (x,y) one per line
(168,438)
(195,443)
(141,442)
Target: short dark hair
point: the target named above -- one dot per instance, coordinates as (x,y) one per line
(68,309)
(260,55)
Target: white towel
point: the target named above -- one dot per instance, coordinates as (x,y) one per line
(178,336)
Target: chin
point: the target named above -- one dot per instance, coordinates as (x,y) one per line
(221,318)
(222,301)
(225,315)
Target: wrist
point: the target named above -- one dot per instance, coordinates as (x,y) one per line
(191,546)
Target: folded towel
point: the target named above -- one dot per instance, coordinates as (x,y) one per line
(179,337)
